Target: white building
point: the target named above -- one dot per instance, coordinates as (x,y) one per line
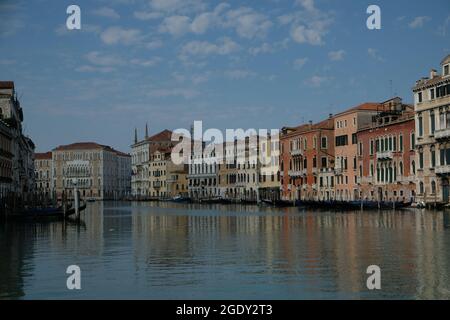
(99,171)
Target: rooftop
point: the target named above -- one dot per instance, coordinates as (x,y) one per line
(43,156)
(89,146)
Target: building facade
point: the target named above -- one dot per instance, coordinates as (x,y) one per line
(307,161)
(98,171)
(43,166)
(6,159)
(141,151)
(346,126)
(386,156)
(22,147)
(432,140)
(204,175)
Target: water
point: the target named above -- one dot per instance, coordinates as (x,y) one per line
(177,251)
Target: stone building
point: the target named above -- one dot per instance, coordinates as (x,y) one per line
(386,157)
(22,147)
(269,175)
(204,175)
(6,159)
(307,161)
(43,166)
(99,171)
(432,118)
(140,157)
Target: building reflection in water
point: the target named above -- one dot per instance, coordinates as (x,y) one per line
(165,250)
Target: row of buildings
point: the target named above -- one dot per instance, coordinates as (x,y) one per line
(16,149)
(375,151)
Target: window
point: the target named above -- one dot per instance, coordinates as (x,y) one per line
(324,143)
(354,138)
(371,147)
(446,71)
(432,94)
(433,156)
(341,141)
(324,162)
(432,122)
(419,97)
(400,145)
(420,120)
(433,187)
(421,189)
(413,141)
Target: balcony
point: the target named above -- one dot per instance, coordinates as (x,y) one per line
(338,171)
(445,169)
(296,152)
(293,173)
(442,134)
(157,184)
(408,179)
(385,155)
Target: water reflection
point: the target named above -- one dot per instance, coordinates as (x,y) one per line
(165,250)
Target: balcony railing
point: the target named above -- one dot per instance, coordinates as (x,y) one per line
(296,152)
(445,169)
(294,173)
(384,155)
(442,133)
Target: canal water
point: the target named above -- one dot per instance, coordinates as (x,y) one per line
(179,251)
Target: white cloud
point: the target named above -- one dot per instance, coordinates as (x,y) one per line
(264,48)
(142,15)
(308,25)
(336,55)
(118,35)
(177,5)
(107,13)
(96,58)
(306,4)
(203,48)
(300,62)
(373,53)
(146,63)
(154,44)
(418,22)
(173,92)
(238,74)
(175,25)
(88,68)
(317,81)
(248,23)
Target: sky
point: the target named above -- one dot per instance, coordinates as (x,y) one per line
(236,64)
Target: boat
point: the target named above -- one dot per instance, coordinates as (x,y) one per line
(46,212)
(180,199)
(278,203)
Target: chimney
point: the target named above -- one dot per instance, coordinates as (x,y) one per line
(433,73)
(330,116)
(135,135)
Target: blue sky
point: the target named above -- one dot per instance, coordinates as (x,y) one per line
(236,64)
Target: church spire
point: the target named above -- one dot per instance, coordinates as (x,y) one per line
(135,135)
(146,130)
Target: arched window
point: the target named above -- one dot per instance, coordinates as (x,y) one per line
(413,167)
(433,187)
(401,168)
(421,189)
